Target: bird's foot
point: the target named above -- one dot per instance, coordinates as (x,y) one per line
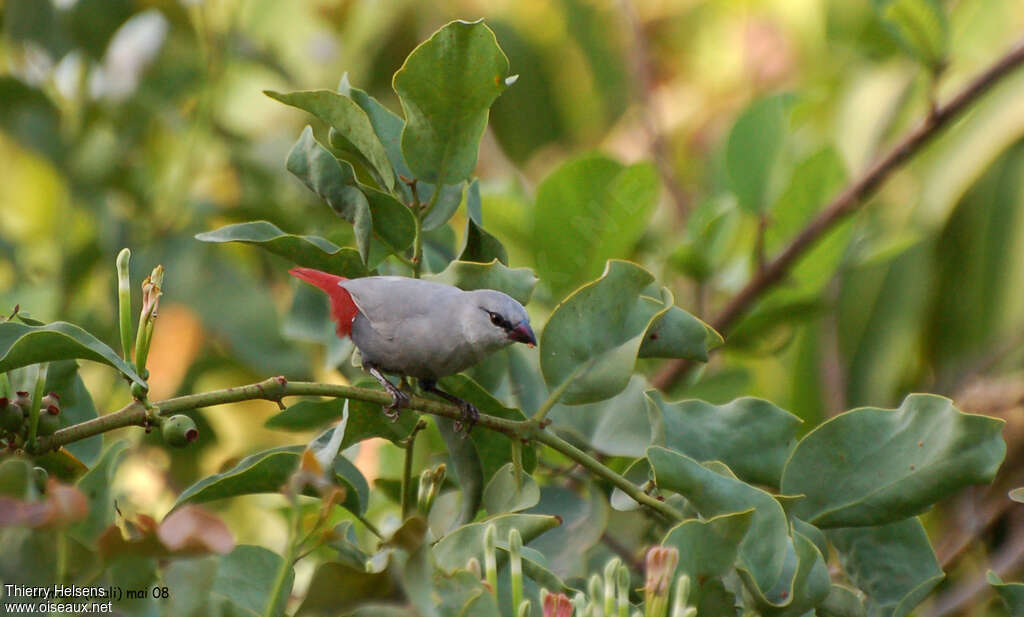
(399,401)
(470,416)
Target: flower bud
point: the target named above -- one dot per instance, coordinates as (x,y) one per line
(24,400)
(659,569)
(139,391)
(179,431)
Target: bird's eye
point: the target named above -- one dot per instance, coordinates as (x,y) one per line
(496,319)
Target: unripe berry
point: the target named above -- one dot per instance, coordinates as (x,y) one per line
(179,431)
(11,415)
(49,421)
(24,401)
(139,391)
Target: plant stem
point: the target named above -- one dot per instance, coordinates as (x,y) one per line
(410,448)
(37,399)
(595,466)
(275,388)
(270,610)
(852,198)
(554,397)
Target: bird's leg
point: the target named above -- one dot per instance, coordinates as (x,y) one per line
(470,414)
(399,399)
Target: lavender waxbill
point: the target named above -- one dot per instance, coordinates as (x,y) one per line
(414,328)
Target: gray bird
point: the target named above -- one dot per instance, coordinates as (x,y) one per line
(420,329)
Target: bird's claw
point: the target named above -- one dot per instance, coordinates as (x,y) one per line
(470,416)
(399,400)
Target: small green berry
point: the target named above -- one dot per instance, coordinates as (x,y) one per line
(139,391)
(179,431)
(48,424)
(11,416)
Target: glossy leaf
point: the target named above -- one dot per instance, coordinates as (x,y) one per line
(443,210)
(335,182)
(893,564)
(349,120)
(468,275)
(306,251)
(446,87)
(873,466)
(763,551)
(1012,594)
(510,490)
(589,210)
(594,336)
(453,550)
(392,221)
(481,246)
(752,149)
(22,345)
(752,436)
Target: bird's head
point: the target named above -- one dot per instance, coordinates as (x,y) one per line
(499,319)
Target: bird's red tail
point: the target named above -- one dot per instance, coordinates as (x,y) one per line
(343,308)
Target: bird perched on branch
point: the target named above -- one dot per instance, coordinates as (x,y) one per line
(414,328)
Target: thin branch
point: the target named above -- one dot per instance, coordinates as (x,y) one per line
(849,201)
(659,146)
(276,388)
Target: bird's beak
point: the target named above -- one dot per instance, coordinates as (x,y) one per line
(523,334)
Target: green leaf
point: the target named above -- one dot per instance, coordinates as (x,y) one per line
(589,210)
(676,333)
(446,87)
(365,420)
(495,449)
(28,115)
(752,436)
(1012,594)
(76,406)
(763,551)
(510,490)
(393,222)
(752,149)
(306,251)
(583,518)
(919,26)
(95,484)
(336,588)
(335,182)
(246,575)
(893,564)
(189,583)
(351,123)
(708,548)
(474,207)
(267,472)
(873,466)
(842,602)
(22,345)
(804,583)
(618,426)
(468,469)
(453,550)
(481,246)
(594,336)
(16,479)
(445,207)
(469,275)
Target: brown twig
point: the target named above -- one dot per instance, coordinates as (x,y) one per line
(659,146)
(848,201)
